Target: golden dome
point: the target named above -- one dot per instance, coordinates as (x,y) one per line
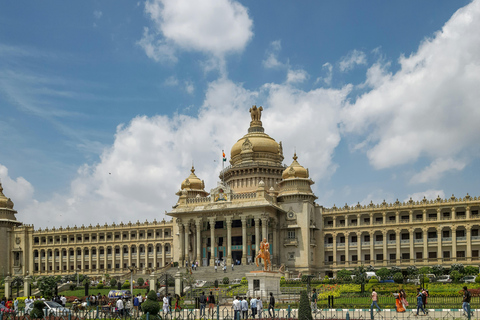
(193,182)
(295,170)
(4,201)
(257,142)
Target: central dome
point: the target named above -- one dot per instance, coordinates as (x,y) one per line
(256,145)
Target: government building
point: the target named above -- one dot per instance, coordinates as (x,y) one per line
(257,197)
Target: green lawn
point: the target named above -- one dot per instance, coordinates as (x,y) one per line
(92,291)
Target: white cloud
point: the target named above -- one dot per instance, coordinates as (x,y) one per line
(428,194)
(296,76)
(97,14)
(151,156)
(157,49)
(377,196)
(272,55)
(328,78)
(212,27)
(189,87)
(19,189)
(171,81)
(352,59)
(436,169)
(429,108)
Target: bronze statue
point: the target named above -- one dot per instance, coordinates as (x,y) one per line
(264,254)
(256,113)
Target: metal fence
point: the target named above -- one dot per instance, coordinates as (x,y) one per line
(227,313)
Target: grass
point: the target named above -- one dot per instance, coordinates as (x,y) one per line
(92,291)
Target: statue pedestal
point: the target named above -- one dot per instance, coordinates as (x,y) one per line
(261,283)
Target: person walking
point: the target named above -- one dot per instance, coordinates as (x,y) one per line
(271,305)
(177,303)
(215,268)
(314,301)
(211,303)
(232,266)
(420,302)
(244,308)
(166,305)
(259,307)
(424,299)
(170,299)
(374,301)
(466,301)
(253,307)
(203,304)
(237,307)
(135,304)
(120,306)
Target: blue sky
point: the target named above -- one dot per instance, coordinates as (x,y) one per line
(104,105)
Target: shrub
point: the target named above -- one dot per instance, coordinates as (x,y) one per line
(326,280)
(226,280)
(37,311)
(140,282)
(99,286)
(282,280)
(426,280)
(373,280)
(72,287)
(456,275)
(304,310)
(477,279)
(126,285)
(471,270)
(215,283)
(151,306)
(398,277)
(245,281)
(457,267)
(113,282)
(383,273)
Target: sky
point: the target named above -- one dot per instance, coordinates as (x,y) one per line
(105,105)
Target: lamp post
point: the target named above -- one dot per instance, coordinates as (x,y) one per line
(132,269)
(78,277)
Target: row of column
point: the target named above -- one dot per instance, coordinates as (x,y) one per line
(410,213)
(398,244)
(98,260)
(184,238)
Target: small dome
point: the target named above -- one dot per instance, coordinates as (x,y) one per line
(193,182)
(4,201)
(295,170)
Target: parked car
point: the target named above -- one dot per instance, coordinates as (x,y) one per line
(236,281)
(53,309)
(415,280)
(444,279)
(468,279)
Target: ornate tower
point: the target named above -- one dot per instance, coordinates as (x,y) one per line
(255,157)
(7,223)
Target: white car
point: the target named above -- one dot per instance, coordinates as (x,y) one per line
(53,309)
(469,279)
(444,279)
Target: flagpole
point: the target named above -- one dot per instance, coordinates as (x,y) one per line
(223,167)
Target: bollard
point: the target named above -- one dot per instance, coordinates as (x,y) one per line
(96,317)
(288,312)
(347,316)
(218,312)
(469,314)
(69,316)
(371,312)
(1,315)
(148,315)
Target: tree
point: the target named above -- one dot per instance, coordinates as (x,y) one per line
(140,282)
(151,306)
(113,282)
(344,275)
(455,275)
(370,268)
(47,285)
(398,277)
(37,311)
(395,269)
(412,270)
(360,276)
(17,282)
(438,270)
(457,267)
(383,273)
(304,310)
(425,270)
(471,270)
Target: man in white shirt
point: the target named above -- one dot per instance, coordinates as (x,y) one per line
(165,305)
(253,307)
(64,300)
(237,307)
(259,307)
(120,306)
(244,308)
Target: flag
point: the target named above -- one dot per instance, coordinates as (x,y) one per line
(224,158)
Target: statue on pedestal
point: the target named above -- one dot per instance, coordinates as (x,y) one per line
(264,254)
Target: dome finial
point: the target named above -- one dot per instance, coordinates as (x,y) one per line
(295,156)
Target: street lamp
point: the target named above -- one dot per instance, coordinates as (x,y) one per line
(132,269)
(78,270)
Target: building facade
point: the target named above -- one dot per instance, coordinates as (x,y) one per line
(258,197)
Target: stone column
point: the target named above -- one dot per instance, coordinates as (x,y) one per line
(425,242)
(372,249)
(153,281)
(228,220)
(181,238)
(275,245)
(384,215)
(8,287)
(155,252)
(424,215)
(187,243)
(397,217)
(26,286)
(68,260)
(164,256)
(399,243)
(412,246)
(178,283)
(137,264)
(75,266)
(129,255)
(371,221)
(198,225)
(264,228)
(212,241)
(244,240)
(385,258)
(467,212)
(454,243)
(334,249)
(359,247)
(410,216)
(257,235)
(454,214)
(469,243)
(347,243)
(439,214)
(439,244)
